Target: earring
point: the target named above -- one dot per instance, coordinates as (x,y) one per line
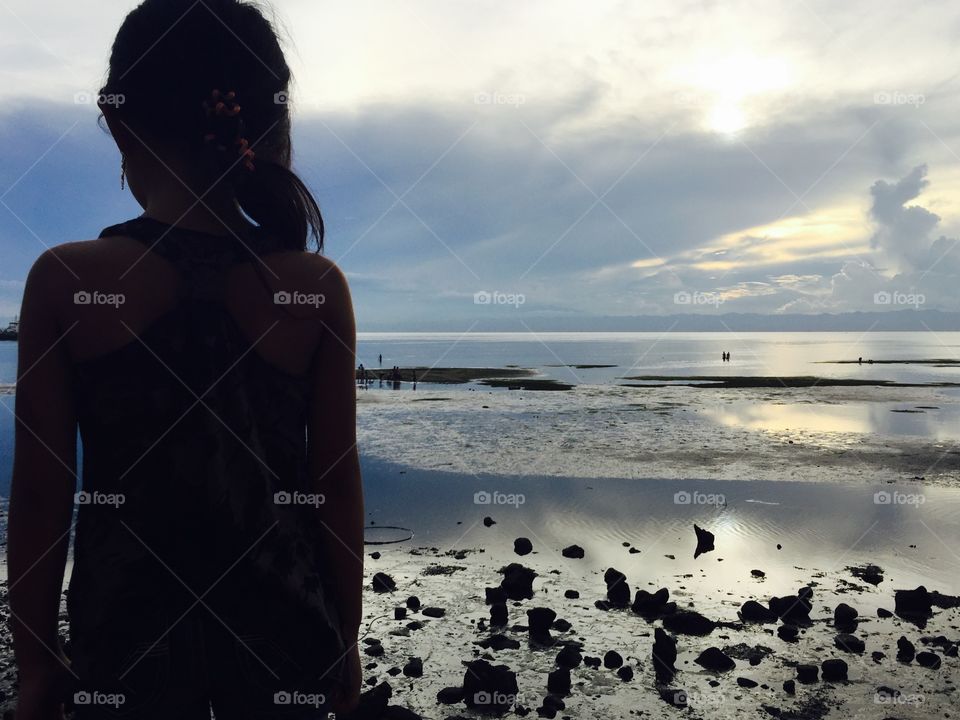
(123,171)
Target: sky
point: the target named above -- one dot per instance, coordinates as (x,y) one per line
(561,159)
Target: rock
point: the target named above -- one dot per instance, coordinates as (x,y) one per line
(375,650)
(716,660)
(517,581)
(488,521)
(522,546)
(664,656)
(373,703)
(913,605)
(849,643)
(612,659)
(868,573)
(807,674)
(561,625)
(905,650)
(877,656)
(928,660)
(753,612)
(653,605)
(498,614)
(689,623)
(884,613)
(845,617)
(558,681)
(618,592)
(489,688)
(383,583)
(400,613)
(569,657)
(450,695)
(375,555)
(788,633)
(413,668)
(625,673)
(790,687)
(413,603)
(434,612)
(591,662)
(793,609)
(833,670)
(499,642)
(753,654)
(571,595)
(746,682)
(573,551)
(758,573)
(539,621)
(704,541)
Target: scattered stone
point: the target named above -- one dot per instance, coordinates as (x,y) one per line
(499,642)
(488,521)
(569,657)
(807,674)
(450,695)
(434,612)
(489,688)
(413,668)
(413,603)
(383,583)
(651,606)
(845,617)
(884,613)
(495,595)
(498,615)
(517,581)
(868,573)
(877,656)
(704,541)
(833,670)
(522,546)
(849,643)
(905,650)
(618,592)
(625,673)
(928,660)
(612,659)
(746,682)
(591,662)
(540,620)
(558,681)
(561,625)
(716,660)
(373,703)
(788,633)
(400,613)
(793,609)
(689,623)
(674,696)
(758,573)
(573,551)
(913,605)
(753,612)
(790,687)
(571,595)
(375,555)
(664,655)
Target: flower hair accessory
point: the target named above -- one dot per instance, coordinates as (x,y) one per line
(226,126)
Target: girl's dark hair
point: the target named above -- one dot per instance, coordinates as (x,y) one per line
(167,59)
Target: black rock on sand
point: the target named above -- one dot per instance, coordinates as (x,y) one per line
(704,541)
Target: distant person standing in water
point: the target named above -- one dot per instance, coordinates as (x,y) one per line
(380,360)
(212,408)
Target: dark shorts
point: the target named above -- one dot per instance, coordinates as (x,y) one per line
(200,665)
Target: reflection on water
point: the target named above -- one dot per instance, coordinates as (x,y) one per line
(892,419)
(819,527)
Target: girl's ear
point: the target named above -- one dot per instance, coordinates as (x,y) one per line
(121,135)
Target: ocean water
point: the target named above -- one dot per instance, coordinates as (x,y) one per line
(557,355)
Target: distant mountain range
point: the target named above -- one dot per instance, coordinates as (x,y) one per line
(507,321)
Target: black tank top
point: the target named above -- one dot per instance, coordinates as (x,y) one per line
(193,446)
